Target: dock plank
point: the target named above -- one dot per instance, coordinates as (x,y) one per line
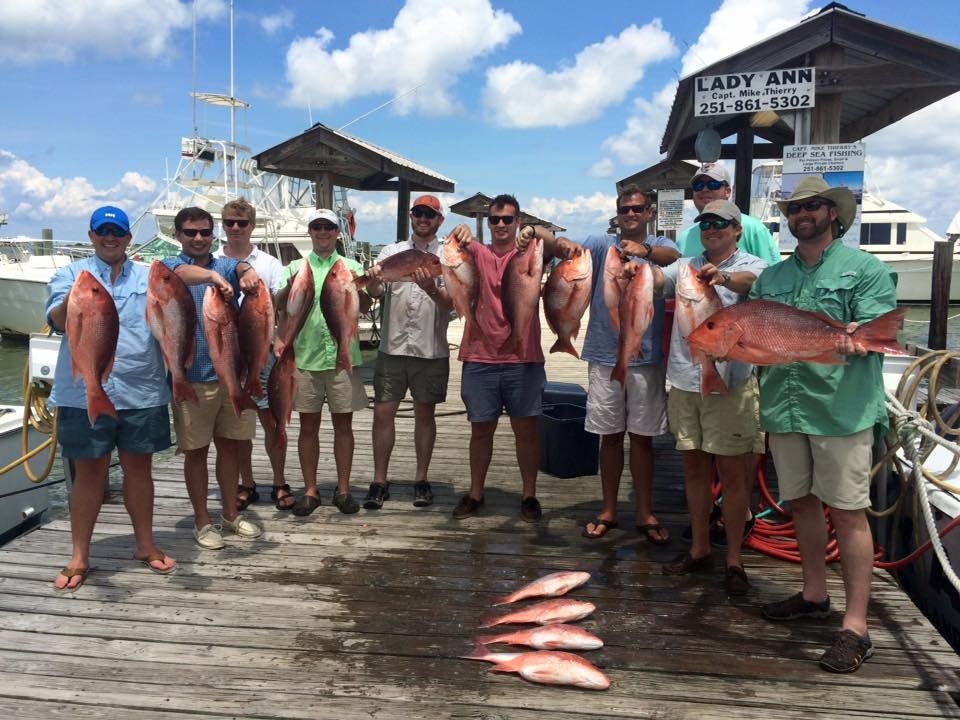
(368,615)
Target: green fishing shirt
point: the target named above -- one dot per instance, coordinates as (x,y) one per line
(315,349)
(847,285)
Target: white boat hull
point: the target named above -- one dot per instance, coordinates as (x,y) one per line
(22,502)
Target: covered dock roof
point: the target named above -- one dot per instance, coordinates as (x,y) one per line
(476,206)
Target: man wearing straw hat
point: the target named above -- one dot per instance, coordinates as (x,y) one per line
(821,418)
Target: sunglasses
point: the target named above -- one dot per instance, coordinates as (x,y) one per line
(230,222)
(105,230)
(427,213)
(717,224)
(497,219)
(809,206)
(326,227)
(636,209)
(699,185)
(193,232)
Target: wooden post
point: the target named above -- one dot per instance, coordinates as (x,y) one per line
(940,294)
(743,172)
(480,229)
(324,191)
(826,112)
(403,211)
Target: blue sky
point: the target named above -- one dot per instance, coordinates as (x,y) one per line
(550,101)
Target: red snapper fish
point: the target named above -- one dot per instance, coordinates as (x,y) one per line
(256,332)
(300,299)
(614,281)
(545,613)
(340,304)
(172,317)
(547,667)
(696,300)
(520,290)
(566,295)
(552,585)
(93,327)
(764,332)
(636,314)
(402,266)
(281,389)
(547,637)
(220,327)
(460,277)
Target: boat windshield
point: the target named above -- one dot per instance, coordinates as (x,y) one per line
(156,249)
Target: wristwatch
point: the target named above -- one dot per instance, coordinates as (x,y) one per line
(726,278)
(649,248)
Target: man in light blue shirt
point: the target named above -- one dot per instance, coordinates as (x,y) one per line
(137,387)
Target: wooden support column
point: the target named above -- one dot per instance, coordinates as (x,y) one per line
(480,228)
(324,191)
(403,211)
(743,172)
(940,294)
(826,111)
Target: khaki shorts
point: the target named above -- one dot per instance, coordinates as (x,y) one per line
(343,391)
(835,469)
(426,378)
(197,423)
(717,424)
(641,410)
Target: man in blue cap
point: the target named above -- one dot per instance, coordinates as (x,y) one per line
(138,389)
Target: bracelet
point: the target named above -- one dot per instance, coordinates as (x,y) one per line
(248,268)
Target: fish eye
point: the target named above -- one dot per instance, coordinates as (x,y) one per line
(710,325)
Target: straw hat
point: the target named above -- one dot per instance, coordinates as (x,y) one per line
(813,186)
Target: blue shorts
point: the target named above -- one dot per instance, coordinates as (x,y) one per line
(134,431)
(486,389)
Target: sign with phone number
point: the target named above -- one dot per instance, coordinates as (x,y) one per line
(778,90)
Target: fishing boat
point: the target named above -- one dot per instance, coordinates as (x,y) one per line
(23,501)
(894,234)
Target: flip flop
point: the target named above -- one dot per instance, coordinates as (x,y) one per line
(156,557)
(652,531)
(68,573)
(598,523)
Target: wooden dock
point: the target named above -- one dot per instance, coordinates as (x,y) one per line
(365,616)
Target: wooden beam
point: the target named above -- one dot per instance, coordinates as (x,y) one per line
(324,190)
(826,112)
(743,169)
(877,77)
(403,210)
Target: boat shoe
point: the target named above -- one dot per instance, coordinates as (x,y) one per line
(240,526)
(377,493)
(847,653)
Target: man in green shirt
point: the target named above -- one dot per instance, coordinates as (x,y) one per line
(821,418)
(315,351)
(712,182)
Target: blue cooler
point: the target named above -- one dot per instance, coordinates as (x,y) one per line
(566,449)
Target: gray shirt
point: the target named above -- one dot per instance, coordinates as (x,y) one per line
(682,372)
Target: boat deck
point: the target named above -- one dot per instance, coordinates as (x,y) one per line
(366,615)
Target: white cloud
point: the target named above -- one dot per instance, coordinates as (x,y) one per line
(431,43)
(602,168)
(639,143)
(272,24)
(520,94)
(737,24)
(581,215)
(37,197)
(50,30)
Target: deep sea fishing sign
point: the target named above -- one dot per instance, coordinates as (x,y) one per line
(783,89)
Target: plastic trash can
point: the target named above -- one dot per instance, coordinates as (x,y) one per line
(566,449)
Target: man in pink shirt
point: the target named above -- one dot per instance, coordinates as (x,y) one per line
(493,378)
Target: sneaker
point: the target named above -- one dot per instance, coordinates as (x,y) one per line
(422,494)
(241,526)
(530,509)
(795,607)
(208,537)
(847,653)
(735,581)
(377,493)
(345,502)
(466,507)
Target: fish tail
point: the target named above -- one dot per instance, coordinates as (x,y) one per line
(564,345)
(510,346)
(488,639)
(490,622)
(183,390)
(880,334)
(619,373)
(506,599)
(99,404)
(253,385)
(710,379)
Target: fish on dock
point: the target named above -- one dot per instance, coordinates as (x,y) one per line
(552,585)
(172,317)
(521,294)
(636,314)
(256,331)
(221,329)
(402,266)
(340,304)
(546,667)
(558,636)
(93,327)
(566,295)
(300,300)
(764,332)
(548,612)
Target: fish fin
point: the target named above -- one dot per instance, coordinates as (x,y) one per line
(564,345)
(614,320)
(710,379)
(505,600)
(361,281)
(99,404)
(183,390)
(489,622)
(486,639)
(880,334)
(619,373)
(188,360)
(479,652)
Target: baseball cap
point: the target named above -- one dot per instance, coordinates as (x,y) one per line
(721,209)
(323,215)
(109,214)
(713,170)
(429,201)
